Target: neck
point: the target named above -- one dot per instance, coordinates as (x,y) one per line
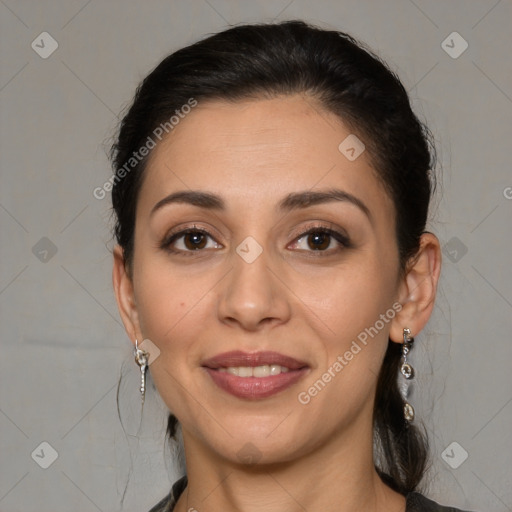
(338,476)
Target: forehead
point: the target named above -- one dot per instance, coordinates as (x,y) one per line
(258,150)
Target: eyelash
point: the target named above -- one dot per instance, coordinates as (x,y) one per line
(167,242)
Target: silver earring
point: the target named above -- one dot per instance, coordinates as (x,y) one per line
(141,358)
(408,372)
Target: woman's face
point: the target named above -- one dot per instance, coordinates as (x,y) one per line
(254,178)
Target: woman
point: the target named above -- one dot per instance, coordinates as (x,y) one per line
(271,191)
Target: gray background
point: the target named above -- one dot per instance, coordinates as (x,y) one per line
(63,347)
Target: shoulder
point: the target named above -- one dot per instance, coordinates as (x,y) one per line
(168,503)
(416,502)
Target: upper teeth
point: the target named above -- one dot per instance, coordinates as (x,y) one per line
(256,371)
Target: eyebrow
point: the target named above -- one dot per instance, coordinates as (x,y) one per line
(292,201)
(308,198)
(194,197)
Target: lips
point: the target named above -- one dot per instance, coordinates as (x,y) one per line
(239,358)
(223,370)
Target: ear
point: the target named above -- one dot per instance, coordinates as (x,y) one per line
(123,289)
(417,290)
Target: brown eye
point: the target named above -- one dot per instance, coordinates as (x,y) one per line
(189,241)
(322,240)
(194,240)
(319,241)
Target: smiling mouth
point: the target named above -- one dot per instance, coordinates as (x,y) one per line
(254,375)
(255,371)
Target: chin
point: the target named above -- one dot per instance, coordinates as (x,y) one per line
(255,445)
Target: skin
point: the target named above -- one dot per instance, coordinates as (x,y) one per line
(292,299)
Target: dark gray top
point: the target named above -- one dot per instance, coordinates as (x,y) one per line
(415,502)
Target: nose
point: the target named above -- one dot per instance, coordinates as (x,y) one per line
(252,296)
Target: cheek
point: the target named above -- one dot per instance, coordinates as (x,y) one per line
(346,300)
(350,312)
(353,338)
(170,305)
(172,313)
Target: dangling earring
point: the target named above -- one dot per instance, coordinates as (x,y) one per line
(408,372)
(141,358)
